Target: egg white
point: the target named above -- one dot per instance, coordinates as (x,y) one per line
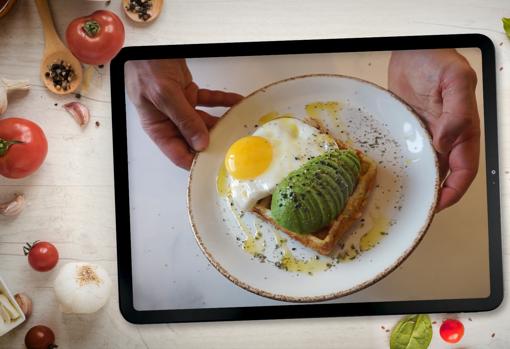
(294,143)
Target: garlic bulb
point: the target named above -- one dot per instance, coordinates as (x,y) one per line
(82,288)
(7,86)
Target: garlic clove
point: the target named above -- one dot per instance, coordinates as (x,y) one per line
(14,207)
(79,112)
(25,303)
(16,85)
(7,86)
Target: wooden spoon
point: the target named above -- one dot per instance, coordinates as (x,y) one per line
(55,51)
(154,12)
(6,7)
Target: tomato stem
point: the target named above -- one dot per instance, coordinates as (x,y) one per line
(28,246)
(5,145)
(91,28)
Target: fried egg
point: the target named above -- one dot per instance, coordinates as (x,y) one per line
(257,163)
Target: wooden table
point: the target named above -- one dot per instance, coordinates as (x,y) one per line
(71,198)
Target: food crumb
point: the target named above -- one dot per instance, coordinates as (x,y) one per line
(493,334)
(387,330)
(98,124)
(470,319)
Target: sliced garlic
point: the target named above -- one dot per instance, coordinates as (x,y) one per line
(14,207)
(79,112)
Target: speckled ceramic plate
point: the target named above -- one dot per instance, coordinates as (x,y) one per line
(252,254)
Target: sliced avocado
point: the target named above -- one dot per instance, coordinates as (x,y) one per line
(309,198)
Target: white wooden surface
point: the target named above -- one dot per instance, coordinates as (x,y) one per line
(71,197)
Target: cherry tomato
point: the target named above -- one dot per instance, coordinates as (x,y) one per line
(40,337)
(23,147)
(451,330)
(97,38)
(42,256)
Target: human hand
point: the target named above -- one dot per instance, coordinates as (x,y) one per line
(440,86)
(166,98)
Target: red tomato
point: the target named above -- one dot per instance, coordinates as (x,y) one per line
(23,147)
(42,256)
(451,330)
(40,337)
(97,38)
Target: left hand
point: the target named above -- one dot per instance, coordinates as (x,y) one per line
(440,86)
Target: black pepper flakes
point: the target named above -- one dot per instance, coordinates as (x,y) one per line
(61,74)
(141,8)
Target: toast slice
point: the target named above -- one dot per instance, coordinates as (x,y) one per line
(325,240)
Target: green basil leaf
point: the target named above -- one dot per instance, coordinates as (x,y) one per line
(506,26)
(412,332)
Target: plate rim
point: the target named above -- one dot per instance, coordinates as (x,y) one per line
(334,295)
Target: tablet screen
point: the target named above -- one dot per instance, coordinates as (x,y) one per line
(169,269)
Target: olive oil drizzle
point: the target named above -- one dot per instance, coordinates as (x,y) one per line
(254,244)
(375,234)
(264,119)
(222,182)
(332,109)
(289,262)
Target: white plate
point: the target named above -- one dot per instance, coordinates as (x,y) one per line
(402,203)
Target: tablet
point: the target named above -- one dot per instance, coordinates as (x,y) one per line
(165,273)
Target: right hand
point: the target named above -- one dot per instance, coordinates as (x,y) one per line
(166,98)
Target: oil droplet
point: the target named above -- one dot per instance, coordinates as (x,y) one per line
(291,128)
(264,119)
(255,244)
(348,254)
(375,234)
(332,109)
(289,262)
(222,186)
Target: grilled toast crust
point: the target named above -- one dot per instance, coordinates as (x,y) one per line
(325,240)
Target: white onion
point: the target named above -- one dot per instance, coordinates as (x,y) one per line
(82,288)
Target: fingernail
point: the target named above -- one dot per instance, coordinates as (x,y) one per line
(199,142)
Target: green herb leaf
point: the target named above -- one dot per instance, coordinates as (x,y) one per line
(506,25)
(412,332)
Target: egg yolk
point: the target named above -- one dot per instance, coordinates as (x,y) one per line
(248,157)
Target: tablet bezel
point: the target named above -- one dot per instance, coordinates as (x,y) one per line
(124,263)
